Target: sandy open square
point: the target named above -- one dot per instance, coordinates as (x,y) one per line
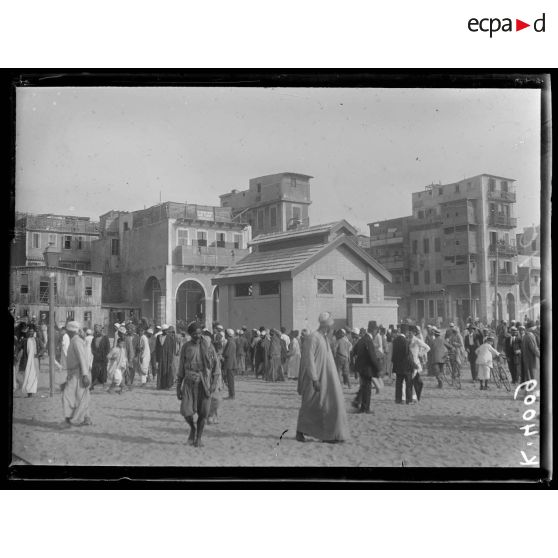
(455,428)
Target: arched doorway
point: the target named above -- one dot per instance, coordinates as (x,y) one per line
(216,304)
(190,302)
(151,304)
(510,304)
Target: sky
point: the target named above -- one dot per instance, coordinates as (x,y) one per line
(85,151)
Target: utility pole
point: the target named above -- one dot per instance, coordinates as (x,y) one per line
(496,283)
(51,348)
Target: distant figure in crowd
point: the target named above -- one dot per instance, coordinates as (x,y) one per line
(322,413)
(242,350)
(390,333)
(88,340)
(258,352)
(144,357)
(285,343)
(115,335)
(512,348)
(530,355)
(485,353)
(217,379)
(473,340)
(152,340)
(342,355)
(75,391)
(439,350)
(293,358)
(65,345)
(132,350)
(164,356)
(100,348)
(274,371)
(117,364)
(31,359)
(229,362)
(501,332)
(403,365)
(367,364)
(195,383)
(418,348)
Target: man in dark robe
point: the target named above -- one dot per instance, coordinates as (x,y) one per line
(196,382)
(100,348)
(132,354)
(368,365)
(164,355)
(229,362)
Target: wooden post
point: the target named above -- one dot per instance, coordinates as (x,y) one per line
(51,347)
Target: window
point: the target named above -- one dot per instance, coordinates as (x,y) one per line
(415,246)
(437,244)
(296,213)
(24,283)
(43,292)
(260,219)
(87,319)
(71,285)
(460,260)
(469,185)
(440,305)
(67,242)
(420,214)
(88,285)
(126,226)
(273,216)
(202,238)
(259,187)
(115,246)
(36,240)
(456,190)
(426,245)
(354,287)
(431,309)
(52,239)
(182,237)
(293,182)
(415,278)
(508,267)
(491,185)
(243,289)
(269,288)
(439,276)
(325,286)
(440,191)
(427,277)
(70,315)
(504,185)
(80,242)
(220,239)
(238,241)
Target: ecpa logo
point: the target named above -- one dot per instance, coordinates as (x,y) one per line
(494,24)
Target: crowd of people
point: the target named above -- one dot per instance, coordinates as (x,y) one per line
(201,364)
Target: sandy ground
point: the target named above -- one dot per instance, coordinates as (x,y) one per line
(466,428)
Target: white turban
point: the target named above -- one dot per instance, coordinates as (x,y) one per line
(325,318)
(73,326)
(230,332)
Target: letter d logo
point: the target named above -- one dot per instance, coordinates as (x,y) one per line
(539,24)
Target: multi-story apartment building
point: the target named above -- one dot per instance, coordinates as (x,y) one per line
(71,235)
(158,262)
(457,235)
(273,203)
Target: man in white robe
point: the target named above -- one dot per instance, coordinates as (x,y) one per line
(322,413)
(144,357)
(75,391)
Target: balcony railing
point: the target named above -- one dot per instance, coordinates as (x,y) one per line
(61,225)
(203,256)
(501,195)
(504,249)
(502,221)
(505,278)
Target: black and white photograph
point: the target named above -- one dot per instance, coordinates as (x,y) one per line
(280,275)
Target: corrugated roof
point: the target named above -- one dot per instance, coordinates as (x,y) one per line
(296,233)
(277,261)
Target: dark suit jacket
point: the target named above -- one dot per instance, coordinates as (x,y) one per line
(400,355)
(229,355)
(366,360)
(477,342)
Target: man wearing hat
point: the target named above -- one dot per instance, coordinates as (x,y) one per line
(100,348)
(368,366)
(242,351)
(512,348)
(322,412)
(439,349)
(75,391)
(473,340)
(165,348)
(229,362)
(530,355)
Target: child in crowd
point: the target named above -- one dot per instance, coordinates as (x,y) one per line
(117,364)
(484,360)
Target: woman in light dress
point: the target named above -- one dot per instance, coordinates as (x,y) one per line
(88,352)
(419,349)
(31,375)
(485,354)
(293,363)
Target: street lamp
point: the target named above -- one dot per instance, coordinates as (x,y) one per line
(52,257)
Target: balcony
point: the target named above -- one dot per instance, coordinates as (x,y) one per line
(505,278)
(211,257)
(390,262)
(504,249)
(61,225)
(501,195)
(459,274)
(502,221)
